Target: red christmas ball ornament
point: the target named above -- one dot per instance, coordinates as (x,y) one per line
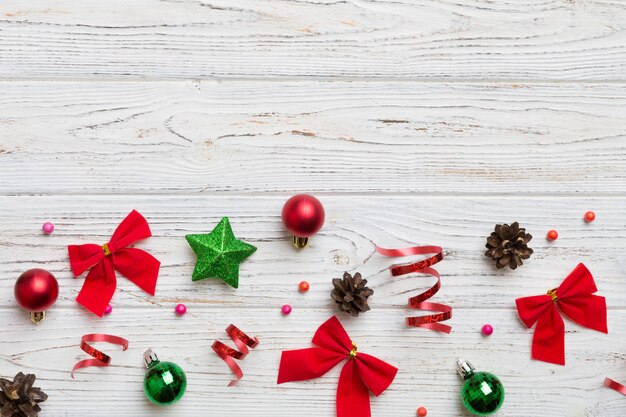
(36,290)
(303,216)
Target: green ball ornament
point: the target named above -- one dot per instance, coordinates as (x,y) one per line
(165,382)
(482,393)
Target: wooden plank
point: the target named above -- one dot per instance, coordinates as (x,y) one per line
(425,359)
(270,277)
(249,137)
(434,39)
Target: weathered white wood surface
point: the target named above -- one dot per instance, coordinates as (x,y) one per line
(415,122)
(431,39)
(318,136)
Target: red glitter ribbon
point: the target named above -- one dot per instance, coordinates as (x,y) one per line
(228,354)
(614,385)
(100,358)
(418,302)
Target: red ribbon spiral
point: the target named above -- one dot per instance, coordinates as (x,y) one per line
(100,358)
(418,302)
(228,354)
(614,385)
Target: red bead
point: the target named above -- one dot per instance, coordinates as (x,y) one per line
(487,330)
(303,215)
(36,290)
(590,216)
(303,286)
(421,412)
(552,234)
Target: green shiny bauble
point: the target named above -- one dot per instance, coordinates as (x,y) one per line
(165,382)
(482,393)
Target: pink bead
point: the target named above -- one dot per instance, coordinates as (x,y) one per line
(181,309)
(487,330)
(47,228)
(108,309)
(286,309)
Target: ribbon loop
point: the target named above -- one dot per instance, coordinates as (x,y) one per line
(101,359)
(361,373)
(576,300)
(228,354)
(135,264)
(418,302)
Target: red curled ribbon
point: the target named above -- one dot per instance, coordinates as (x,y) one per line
(100,358)
(574,297)
(419,302)
(614,385)
(228,354)
(361,374)
(135,264)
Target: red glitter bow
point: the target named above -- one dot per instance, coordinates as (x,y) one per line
(574,297)
(361,374)
(135,264)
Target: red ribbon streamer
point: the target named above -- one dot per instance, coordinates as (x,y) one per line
(135,264)
(419,302)
(574,297)
(228,354)
(100,358)
(614,385)
(361,373)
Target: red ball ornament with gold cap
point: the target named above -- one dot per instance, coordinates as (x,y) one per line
(36,290)
(303,216)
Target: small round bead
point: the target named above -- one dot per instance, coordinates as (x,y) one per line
(590,216)
(181,309)
(286,310)
(47,227)
(108,309)
(303,286)
(487,330)
(421,412)
(552,234)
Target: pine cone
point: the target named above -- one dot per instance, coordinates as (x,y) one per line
(19,398)
(508,245)
(351,293)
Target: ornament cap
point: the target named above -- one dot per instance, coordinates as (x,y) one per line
(300,242)
(37,316)
(464,368)
(150,358)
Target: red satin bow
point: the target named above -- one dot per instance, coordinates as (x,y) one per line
(135,264)
(361,374)
(574,297)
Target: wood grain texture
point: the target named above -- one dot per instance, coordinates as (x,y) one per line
(425,39)
(251,137)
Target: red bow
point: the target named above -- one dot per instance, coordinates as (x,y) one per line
(575,299)
(361,374)
(135,264)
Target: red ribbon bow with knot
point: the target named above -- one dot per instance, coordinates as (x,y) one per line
(574,297)
(361,374)
(135,264)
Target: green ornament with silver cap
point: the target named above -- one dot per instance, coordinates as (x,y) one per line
(482,393)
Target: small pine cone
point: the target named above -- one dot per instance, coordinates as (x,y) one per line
(18,398)
(508,245)
(351,293)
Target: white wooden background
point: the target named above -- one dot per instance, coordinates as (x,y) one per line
(414,121)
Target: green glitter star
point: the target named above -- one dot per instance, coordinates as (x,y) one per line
(219,254)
